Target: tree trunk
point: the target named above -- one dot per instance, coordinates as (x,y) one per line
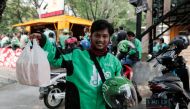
(2,7)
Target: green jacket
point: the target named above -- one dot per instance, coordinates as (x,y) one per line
(83,89)
(4,42)
(86,36)
(159,47)
(15,42)
(163,46)
(62,39)
(156,48)
(138,46)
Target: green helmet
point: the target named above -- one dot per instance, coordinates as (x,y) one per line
(119,92)
(125,45)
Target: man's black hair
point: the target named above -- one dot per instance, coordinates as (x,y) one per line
(130,33)
(162,40)
(37,31)
(120,28)
(51,34)
(101,25)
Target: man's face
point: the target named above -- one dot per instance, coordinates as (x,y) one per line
(18,35)
(100,39)
(130,37)
(36,36)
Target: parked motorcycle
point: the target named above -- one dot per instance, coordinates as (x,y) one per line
(168,90)
(54,93)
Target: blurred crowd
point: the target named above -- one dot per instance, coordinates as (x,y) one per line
(14,40)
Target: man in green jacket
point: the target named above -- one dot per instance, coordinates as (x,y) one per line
(131,37)
(64,37)
(86,33)
(84,85)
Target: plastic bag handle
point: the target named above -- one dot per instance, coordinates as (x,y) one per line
(27,47)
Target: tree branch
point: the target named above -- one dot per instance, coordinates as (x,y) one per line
(91,9)
(73,11)
(36,4)
(96,8)
(41,3)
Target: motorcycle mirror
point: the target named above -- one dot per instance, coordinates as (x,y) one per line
(149,56)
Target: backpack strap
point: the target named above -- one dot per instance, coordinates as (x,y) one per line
(98,67)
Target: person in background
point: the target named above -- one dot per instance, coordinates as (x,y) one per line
(121,34)
(162,44)
(64,37)
(15,41)
(131,37)
(156,47)
(86,33)
(47,31)
(70,33)
(114,41)
(51,38)
(84,44)
(24,39)
(5,41)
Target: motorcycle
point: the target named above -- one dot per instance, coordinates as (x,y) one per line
(54,93)
(168,90)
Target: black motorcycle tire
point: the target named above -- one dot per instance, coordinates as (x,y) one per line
(46,102)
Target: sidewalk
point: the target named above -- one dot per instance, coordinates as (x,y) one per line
(7,76)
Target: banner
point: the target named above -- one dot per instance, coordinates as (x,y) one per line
(51,8)
(8,57)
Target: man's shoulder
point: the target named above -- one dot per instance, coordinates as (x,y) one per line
(111,57)
(78,50)
(137,41)
(122,32)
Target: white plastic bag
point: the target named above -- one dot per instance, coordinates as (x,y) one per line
(32,67)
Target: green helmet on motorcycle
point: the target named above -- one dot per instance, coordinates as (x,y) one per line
(125,45)
(119,92)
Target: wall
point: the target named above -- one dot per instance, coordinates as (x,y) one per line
(9,57)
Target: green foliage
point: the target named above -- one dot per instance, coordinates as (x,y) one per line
(118,12)
(2,7)
(16,11)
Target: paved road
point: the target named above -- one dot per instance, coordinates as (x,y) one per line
(15,96)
